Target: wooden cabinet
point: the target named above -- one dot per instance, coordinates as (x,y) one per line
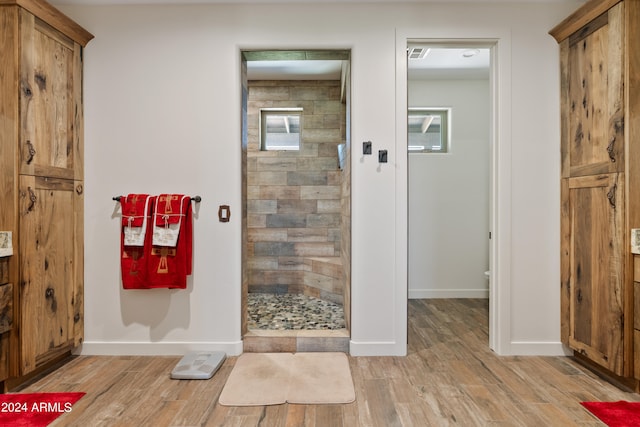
(51,271)
(592,59)
(595,290)
(41,178)
(6,316)
(49,144)
(636,315)
(600,181)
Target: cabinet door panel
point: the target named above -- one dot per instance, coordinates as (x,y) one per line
(46,101)
(595,66)
(47,289)
(595,219)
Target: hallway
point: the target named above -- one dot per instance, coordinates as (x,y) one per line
(449,377)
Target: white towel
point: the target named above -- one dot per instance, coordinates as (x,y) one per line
(166,223)
(134,236)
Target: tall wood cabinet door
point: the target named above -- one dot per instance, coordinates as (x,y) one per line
(49,142)
(48,288)
(592,78)
(596,306)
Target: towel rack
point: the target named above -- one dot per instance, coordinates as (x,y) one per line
(196,199)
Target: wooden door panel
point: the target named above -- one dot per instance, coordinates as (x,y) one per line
(595,67)
(596,300)
(46,101)
(47,264)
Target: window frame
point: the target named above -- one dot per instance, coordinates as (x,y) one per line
(265,113)
(445,129)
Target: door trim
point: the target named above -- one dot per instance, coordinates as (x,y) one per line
(500,178)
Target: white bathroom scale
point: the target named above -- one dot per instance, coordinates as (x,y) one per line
(198,365)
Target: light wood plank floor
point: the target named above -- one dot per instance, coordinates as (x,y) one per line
(449,377)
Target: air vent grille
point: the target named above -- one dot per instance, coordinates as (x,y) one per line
(418,52)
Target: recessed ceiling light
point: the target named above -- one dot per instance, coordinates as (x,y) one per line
(470,52)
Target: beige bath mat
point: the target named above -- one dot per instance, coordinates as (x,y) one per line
(259,379)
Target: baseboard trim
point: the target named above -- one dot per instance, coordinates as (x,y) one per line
(532,348)
(448,293)
(356,348)
(376,348)
(95,348)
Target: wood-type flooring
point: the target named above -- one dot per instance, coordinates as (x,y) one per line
(450,377)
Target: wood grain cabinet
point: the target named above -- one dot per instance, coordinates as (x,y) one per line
(6,316)
(600,181)
(41,178)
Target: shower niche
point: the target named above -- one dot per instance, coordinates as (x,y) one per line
(296,200)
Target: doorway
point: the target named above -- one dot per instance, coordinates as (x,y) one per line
(296,256)
(449,169)
(452,182)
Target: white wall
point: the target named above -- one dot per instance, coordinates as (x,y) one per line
(449,195)
(162,114)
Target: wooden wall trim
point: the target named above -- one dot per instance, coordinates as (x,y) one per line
(581,17)
(53,17)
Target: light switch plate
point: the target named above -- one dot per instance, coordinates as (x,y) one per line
(366,147)
(635,241)
(382,156)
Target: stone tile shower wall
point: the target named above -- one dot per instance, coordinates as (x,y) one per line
(294,198)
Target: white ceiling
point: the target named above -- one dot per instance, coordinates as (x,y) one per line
(451,63)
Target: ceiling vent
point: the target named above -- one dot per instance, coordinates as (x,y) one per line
(418,52)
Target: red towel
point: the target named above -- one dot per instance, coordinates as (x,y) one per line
(170,260)
(133,208)
(134,259)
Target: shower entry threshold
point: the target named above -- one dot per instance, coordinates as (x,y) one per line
(309,333)
(292,341)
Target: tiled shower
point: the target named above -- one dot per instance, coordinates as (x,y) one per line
(296,218)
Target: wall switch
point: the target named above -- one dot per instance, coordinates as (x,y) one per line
(366,147)
(635,241)
(382,156)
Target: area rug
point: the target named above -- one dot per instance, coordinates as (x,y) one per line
(260,379)
(35,409)
(616,414)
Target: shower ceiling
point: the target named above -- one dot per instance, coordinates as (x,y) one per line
(295,70)
(314,64)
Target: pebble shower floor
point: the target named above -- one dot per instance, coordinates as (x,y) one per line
(293,312)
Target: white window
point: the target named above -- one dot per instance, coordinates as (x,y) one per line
(280,129)
(429,130)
